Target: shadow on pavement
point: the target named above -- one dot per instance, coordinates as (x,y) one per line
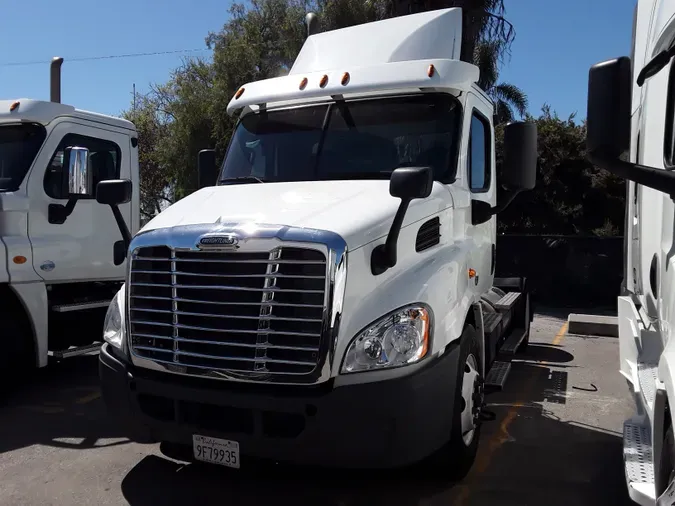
(528,456)
(59,406)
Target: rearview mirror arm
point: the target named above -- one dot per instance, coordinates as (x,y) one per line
(121,224)
(384,255)
(657,179)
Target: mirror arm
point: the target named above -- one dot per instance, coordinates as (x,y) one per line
(384,255)
(506,201)
(657,179)
(58,213)
(121,224)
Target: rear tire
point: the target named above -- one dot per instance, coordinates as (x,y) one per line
(459,453)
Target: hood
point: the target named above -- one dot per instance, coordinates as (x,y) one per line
(359,211)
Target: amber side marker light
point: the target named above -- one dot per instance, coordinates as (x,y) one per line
(431,71)
(324,81)
(240,92)
(303,83)
(472,273)
(345,79)
(13,106)
(19,259)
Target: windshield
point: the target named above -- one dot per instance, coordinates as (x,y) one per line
(365,139)
(19,144)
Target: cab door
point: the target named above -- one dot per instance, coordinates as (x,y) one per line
(480,176)
(79,247)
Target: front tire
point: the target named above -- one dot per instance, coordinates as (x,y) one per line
(667,471)
(16,354)
(459,453)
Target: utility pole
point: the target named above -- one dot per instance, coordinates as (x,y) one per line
(134,88)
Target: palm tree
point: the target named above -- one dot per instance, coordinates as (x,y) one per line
(507,97)
(482,20)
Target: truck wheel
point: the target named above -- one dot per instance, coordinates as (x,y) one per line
(667,468)
(459,453)
(15,357)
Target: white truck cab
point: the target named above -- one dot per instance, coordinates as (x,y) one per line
(332,299)
(62,257)
(631,132)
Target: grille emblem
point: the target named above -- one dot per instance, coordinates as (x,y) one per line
(220,241)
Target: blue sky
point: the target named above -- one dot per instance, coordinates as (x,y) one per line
(551,55)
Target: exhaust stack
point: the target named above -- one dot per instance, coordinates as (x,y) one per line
(312,22)
(55,79)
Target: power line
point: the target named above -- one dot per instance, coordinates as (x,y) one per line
(107,57)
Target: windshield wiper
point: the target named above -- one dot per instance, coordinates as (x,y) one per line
(244,179)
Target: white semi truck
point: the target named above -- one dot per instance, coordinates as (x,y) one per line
(332,299)
(61,254)
(631,132)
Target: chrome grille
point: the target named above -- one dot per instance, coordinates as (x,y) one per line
(234,312)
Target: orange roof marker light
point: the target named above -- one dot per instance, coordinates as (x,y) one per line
(14,106)
(345,79)
(303,83)
(240,92)
(324,81)
(431,70)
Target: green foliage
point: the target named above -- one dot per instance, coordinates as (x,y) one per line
(572,196)
(505,96)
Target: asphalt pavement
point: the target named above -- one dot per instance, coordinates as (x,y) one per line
(556,440)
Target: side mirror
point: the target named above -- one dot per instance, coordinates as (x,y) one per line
(608,125)
(519,169)
(78,171)
(206,168)
(114,191)
(608,120)
(406,183)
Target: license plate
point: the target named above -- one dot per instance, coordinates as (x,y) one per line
(216,451)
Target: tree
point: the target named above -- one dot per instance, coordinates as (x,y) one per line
(156,183)
(482,20)
(571,196)
(505,96)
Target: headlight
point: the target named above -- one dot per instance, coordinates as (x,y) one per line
(399,338)
(113,326)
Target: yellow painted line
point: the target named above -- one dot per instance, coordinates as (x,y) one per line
(484,458)
(561,333)
(88,398)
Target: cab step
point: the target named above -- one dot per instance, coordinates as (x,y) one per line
(639,462)
(80,306)
(647,376)
(513,342)
(507,301)
(75,351)
(496,377)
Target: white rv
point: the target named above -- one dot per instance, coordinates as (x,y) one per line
(332,298)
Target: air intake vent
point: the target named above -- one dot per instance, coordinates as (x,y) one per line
(429,235)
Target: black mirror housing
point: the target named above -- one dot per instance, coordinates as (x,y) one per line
(608,111)
(206,168)
(519,170)
(408,183)
(114,191)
